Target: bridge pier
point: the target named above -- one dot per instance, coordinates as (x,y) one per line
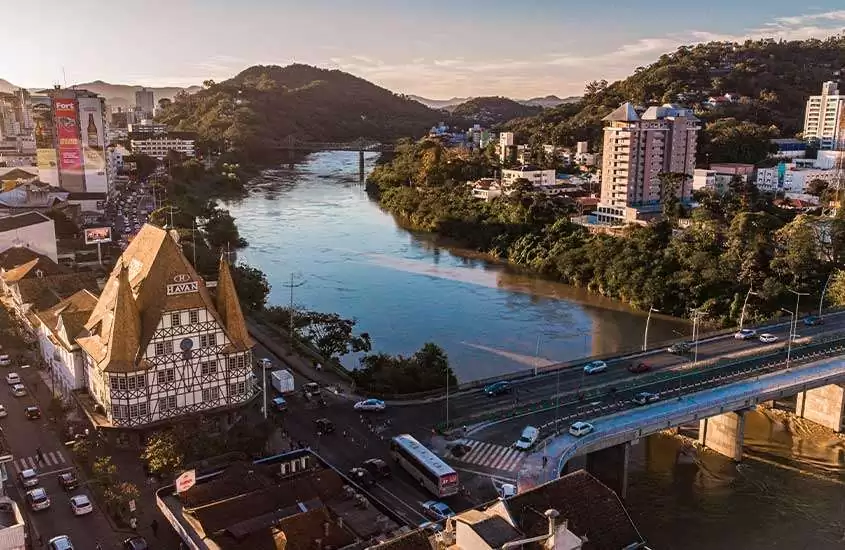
(824,406)
(361,165)
(610,466)
(723,433)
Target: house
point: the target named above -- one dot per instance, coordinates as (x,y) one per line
(158,346)
(33,196)
(57,330)
(487,189)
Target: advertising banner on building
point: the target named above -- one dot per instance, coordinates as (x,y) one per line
(45,144)
(94,235)
(93,144)
(70,151)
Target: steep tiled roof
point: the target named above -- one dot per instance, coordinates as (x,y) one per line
(45,292)
(229,308)
(15,256)
(591,508)
(492,529)
(623,113)
(415,540)
(37,267)
(72,311)
(122,329)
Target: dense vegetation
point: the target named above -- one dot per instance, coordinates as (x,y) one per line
(427,369)
(490,111)
(773,80)
(264,105)
(734,242)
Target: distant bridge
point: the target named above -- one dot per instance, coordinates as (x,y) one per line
(292,143)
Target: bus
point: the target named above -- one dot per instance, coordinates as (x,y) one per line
(424,466)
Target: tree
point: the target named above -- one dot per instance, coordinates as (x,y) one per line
(162,453)
(817,187)
(221,231)
(670,184)
(252,286)
(118,496)
(331,334)
(145,165)
(732,140)
(103,472)
(836,289)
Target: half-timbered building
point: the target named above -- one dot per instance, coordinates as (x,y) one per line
(157,345)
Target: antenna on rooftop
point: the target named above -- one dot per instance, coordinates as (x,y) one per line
(64,77)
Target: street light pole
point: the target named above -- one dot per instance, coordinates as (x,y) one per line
(291,285)
(745,303)
(795,315)
(696,327)
(537,356)
(647,321)
(447,399)
(824,290)
(557,398)
(789,338)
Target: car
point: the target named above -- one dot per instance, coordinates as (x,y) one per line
(679,348)
(437,510)
(324,426)
(645,397)
(745,334)
(12,378)
(280,404)
(377,467)
(38,499)
(639,367)
(362,477)
(370,405)
(768,338)
(810,321)
(19,390)
(580,428)
(430,526)
(3,411)
(32,412)
(62,542)
(69,480)
(311,388)
(595,366)
(498,388)
(80,505)
(135,543)
(28,477)
(527,439)
(5,360)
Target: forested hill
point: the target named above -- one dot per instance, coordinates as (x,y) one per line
(773,80)
(264,104)
(489,111)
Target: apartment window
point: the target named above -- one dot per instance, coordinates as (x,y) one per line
(241,361)
(237,388)
(194,317)
(164,348)
(167,403)
(136,382)
(175,320)
(208,340)
(211,394)
(118,382)
(230,362)
(208,367)
(119,411)
(166,376)
(137,409)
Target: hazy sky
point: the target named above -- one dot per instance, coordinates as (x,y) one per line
(434,48)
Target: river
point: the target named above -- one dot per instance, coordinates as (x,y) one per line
(348,256)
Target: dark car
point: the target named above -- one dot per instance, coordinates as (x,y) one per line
(136,543)
(813,321)
(69,480)
(645,397)
(32,413)
(679,348)
(377,467)
(498,388)
(324,426)
(639,367)
(311,388)
(362,477)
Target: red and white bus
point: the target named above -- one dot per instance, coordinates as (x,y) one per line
(424,466)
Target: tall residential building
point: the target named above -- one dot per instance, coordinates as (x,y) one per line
(824,119)
(637,149)
(506,145)
(145,101)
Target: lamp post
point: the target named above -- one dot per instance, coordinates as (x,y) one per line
(647,321)
(824,290)
(795,316)
(789,338)
(537,356)
(447,399)
(557,397)
(696,326)
(745,303)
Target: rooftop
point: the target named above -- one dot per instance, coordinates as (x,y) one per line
(21,263)
(19,221)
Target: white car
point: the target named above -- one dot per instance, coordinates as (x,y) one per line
(580,428)
(29,477)
(5,360)
(370,405)
(767,338)
(38,499)
(19,390)
(594,367)
(527,439)
(80,505)
(12,378)
(745,334)
(437,510)
(3,412)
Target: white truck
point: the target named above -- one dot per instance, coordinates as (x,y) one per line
(282,380)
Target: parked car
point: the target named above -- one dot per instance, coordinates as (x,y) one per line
(32,413)
(62,542)
(3,411)
(498,388)
(679,348)
(12,378)
(768,338)
(280,404)
(745,334)
(527,439)
(5,360)
(377,467)
(362,477)
(580,428)
(69,480)
(370,405)
(38,499)
(80,505)
(311,388)
(645,397)
(639,367)
(437,510)
(135,543)
(809,321)
(324,426)
(19,390)
(28,477)
(594,367)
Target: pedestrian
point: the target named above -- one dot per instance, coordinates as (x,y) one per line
(98,546)
(154,527)
(545,460)
(133,523)
(39,454)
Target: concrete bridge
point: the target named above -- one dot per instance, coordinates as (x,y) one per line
(819,384)
(292,145)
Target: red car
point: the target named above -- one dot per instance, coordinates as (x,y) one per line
(639,367)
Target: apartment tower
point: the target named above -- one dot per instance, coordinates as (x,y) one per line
(824,119)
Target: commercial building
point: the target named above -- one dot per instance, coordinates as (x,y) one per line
(793,177)
(824,118)
(637,149)
(145,101)
(31,230)
(146,128)
(158,146)
(158,346)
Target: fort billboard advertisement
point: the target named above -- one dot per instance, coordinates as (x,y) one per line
(66,114)
(45,140)
(93,144)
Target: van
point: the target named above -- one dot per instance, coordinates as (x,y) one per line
(527,439)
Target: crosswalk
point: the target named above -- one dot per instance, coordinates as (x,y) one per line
(53,459)
(490,455)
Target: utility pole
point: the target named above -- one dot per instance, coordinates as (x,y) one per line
(291,286)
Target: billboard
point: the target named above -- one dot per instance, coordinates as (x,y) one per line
(66,114)
(45,140)
(96,235)
(93,144)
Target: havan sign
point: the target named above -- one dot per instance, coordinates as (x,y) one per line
(182,285)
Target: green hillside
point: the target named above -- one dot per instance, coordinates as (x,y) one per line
(490,111)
